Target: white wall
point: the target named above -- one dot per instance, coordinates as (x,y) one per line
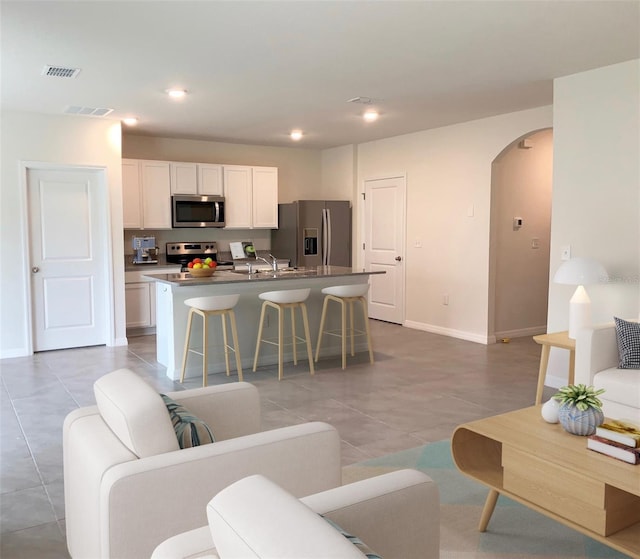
(448,174)
(339,166)
(596,192)
(521,187)
(59,140)
(299,169)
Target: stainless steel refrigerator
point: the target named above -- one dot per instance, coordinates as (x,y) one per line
(313,233)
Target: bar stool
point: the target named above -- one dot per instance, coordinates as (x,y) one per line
(221,305)
(346,294)
(282,300)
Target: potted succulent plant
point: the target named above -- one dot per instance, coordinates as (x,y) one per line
(580,408)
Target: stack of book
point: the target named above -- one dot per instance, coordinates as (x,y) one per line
(620,439)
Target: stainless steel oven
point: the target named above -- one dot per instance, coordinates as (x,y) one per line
(182,252)
(197,211)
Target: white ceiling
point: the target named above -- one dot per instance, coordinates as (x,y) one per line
(256,70)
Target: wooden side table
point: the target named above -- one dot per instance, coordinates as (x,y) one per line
(547,341)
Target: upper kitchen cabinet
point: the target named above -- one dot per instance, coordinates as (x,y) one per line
(196,178)
(210,179)
(131,195)
(265,197)
(184,178)
(146,193)
(251,197)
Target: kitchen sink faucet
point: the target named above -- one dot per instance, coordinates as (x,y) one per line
(273,263)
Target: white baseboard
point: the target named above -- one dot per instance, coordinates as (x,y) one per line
(522,332)
(119,342)
(13,353)
(452,333)
(555,382)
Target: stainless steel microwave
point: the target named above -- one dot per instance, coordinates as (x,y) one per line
(197,211)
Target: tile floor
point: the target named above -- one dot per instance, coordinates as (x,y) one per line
(421,386)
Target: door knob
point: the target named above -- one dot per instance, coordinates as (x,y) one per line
(35,269)
(398,258)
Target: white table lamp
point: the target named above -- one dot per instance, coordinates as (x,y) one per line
(580,272)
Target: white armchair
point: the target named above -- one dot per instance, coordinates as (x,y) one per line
(128,486)
(396,515)
(597,364)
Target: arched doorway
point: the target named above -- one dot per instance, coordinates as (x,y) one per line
(521,185)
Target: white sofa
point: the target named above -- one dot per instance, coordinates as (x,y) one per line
(128,486)
(597,364)
(396,515)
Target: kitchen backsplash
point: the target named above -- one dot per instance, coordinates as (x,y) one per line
(261,237)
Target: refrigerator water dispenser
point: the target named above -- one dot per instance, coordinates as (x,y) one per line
(310,239)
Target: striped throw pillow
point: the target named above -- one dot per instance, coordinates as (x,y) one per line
(190,430)
(362,547)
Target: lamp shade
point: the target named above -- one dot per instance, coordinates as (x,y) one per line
(581,271)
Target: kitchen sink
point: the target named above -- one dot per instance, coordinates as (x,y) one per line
(245,271)
(280,273)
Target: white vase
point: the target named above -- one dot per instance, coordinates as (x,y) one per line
(550,410)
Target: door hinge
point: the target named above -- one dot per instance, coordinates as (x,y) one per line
(362,246)
(364,195)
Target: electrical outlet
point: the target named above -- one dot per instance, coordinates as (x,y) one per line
(417,243)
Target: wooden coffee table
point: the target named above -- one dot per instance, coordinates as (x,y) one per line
(538,464)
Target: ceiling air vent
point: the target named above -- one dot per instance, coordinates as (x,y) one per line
(60,72)
(87,111)
(361,100)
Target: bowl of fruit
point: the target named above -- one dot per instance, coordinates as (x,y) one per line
(199,268)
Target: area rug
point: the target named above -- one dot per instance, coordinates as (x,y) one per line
(514,532)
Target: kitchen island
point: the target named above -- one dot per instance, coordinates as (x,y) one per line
(171,315)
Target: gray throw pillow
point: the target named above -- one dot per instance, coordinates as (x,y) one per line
(628,337)
(190,430)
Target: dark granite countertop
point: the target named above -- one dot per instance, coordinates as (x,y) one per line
(129,266)
(184,279)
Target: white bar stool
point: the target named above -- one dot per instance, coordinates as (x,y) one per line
(221,305)
(346,294)
(282,300)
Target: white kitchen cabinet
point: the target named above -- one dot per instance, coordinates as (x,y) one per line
(156,194)
(140,296)
(131,194)
(237,197)
(265,197)
(140,304)
(196,178)
(210,179)
(251,197)
(184,178)
(146,194)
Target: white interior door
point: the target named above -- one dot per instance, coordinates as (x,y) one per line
(384,247)
(67,233)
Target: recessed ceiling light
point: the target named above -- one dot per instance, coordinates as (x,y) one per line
(130,121)
(296,135)
(176,93)
(370,115)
